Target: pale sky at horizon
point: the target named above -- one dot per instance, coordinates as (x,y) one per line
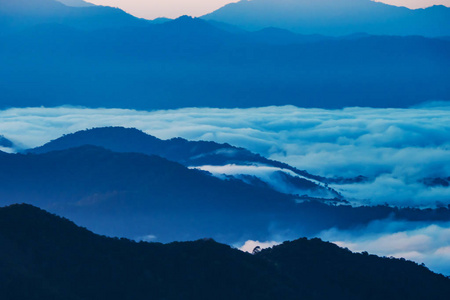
(151,9)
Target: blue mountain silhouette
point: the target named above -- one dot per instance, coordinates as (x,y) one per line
(335,17)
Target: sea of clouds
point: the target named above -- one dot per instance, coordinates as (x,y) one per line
(395,148)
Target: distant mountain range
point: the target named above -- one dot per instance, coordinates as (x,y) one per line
(17,15)
(103,57)
(137,195)
(76,3)
(47,257)
(335,17)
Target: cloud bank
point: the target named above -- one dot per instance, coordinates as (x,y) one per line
(395,148)
(250,245)
(419,242)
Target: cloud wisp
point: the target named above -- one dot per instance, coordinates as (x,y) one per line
(272,176)
(250,245)
(395,148)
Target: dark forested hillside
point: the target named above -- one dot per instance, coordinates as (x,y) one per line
(344,275)
(148,197)
(121,139)
(188,153)
(133,195)
(46,257)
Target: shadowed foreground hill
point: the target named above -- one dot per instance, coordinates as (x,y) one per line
(46,257)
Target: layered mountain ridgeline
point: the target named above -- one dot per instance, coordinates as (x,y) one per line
(437,181)
(18,15)
(46,257)
(193,154)
(190,63)
(143,197)
(188,153)
(131,194)
(335,17)
(76,3)
(4,142)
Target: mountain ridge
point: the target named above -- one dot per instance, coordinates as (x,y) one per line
(18,15)
(135,195)
(337,17)
(226,69)
(104,53)
(47,257)
(188,153)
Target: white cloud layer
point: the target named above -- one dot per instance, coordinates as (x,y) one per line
(250,245)
(269,175)
(394,147)
(419,242)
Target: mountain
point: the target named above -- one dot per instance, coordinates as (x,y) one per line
(76,3)
(19,15)
(47,257)
(350,276)
(192,63)
(335,17)
(148,197)
(436,182)
(4,142)
(199,154)
(134,192)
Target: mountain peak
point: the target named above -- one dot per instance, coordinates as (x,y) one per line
(48,257)
(30,6)
(335,17)
(76,3)
(188,22)
(74,13)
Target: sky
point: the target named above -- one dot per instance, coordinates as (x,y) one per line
(151,9)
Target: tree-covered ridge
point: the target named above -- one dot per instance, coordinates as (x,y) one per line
(186,152)
(135,195)
(47,257)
